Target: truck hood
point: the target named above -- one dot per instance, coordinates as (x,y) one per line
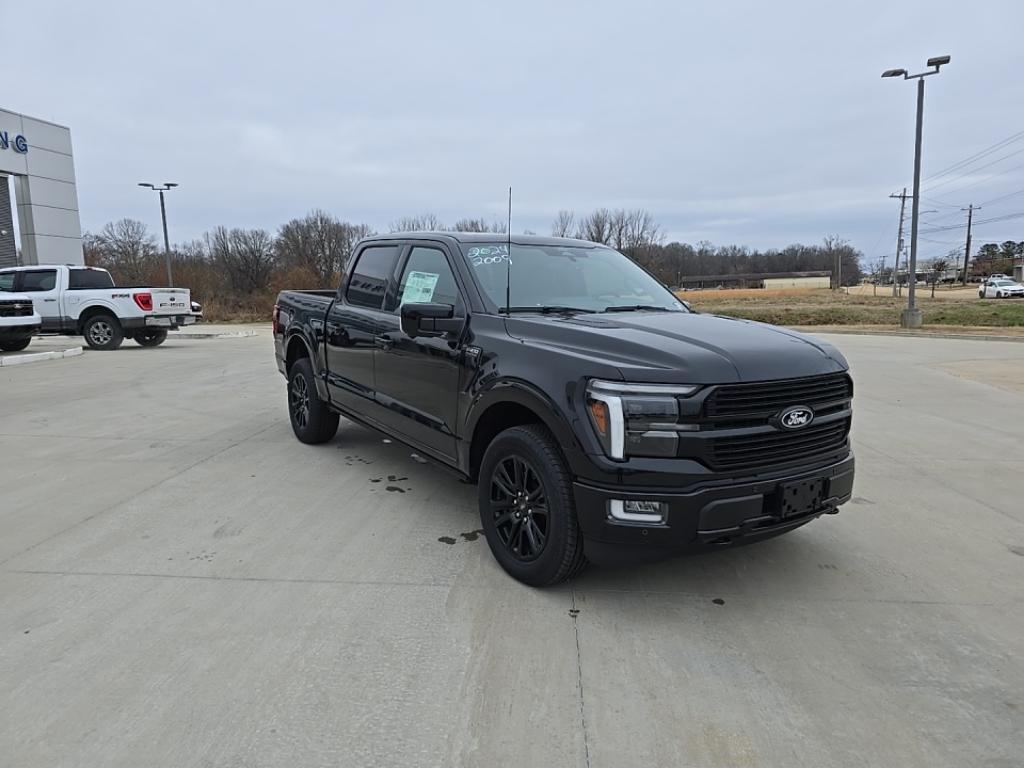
(682,347)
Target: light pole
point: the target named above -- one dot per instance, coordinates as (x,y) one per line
(167,185)
(911,317)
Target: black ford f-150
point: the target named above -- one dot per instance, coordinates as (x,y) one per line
(600,418)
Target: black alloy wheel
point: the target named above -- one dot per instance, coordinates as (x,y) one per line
(527,507)
(298,400)
(519,508)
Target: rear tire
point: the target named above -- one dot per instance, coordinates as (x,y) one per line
(313,422)
(16,345)
(527,508)
(103,332)
(152,337)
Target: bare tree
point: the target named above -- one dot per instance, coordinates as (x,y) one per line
(562,226)
(426,222)
(318,242)
(245,256)
(597,227)
(939,265)
(125,247)
(479,225)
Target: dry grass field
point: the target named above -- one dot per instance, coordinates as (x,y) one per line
(956,307)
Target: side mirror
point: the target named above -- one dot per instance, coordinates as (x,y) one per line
(420,319)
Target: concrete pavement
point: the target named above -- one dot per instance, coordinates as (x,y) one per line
(182,583)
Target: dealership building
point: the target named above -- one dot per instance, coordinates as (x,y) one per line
(37,189)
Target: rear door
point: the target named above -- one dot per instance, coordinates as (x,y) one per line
(417,380)
(41,285)
(351,325)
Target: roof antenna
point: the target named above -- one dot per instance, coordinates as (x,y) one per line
(508,259)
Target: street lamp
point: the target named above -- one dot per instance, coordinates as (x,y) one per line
(911,317)
(167,185)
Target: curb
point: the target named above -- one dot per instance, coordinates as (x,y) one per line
(228,335)
(35,357)
(913,334)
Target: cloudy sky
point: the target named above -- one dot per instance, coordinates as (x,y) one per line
(738,122)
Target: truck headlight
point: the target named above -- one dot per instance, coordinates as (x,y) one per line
(637,419)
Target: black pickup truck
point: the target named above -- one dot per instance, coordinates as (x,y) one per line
(601,419)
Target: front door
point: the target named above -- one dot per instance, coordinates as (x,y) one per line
(41,285)
(417,380)
(351,326)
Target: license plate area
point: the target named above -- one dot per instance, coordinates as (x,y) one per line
(799,498)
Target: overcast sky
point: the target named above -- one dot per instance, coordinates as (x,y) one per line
(759,123)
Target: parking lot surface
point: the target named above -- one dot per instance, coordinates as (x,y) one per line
(182,583)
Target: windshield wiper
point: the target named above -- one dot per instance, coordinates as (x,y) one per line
(637,308)
(550,309)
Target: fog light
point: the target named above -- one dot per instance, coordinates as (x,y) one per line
(652,512)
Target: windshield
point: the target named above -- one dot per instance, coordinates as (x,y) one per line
(564,276)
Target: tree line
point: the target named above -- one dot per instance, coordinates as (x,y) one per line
(237,272)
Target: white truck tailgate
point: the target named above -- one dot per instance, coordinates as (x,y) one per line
(171,301)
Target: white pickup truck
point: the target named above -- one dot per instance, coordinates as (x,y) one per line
(18,319)
(83,301)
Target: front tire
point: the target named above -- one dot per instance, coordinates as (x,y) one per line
(15,345)
(527,509)
(312,421)
(152,337)
(103,332)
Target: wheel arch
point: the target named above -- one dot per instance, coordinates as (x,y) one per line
(508,404)
(92,311)
(296,347)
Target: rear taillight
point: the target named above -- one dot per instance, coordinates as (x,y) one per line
(277,317)
(144,300)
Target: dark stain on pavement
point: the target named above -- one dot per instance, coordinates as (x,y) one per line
(1017,550)
(395,489)
(718,601)
(446,540)
(472,535)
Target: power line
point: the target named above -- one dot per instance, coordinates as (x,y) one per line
(979,222)
(974,170)
(977,156)
(1003,197)
(939,202)
(987,178)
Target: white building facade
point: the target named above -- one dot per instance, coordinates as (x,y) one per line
(36,157)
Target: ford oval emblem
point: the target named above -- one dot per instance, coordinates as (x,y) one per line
(796,417)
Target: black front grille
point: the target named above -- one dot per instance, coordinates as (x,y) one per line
(15,309)
(735,402)
(772,448)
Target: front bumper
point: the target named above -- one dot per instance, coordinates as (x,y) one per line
(20,331)
(706,518)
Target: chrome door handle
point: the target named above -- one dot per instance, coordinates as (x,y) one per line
(384,341)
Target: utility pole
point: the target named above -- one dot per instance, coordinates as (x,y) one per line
(967,249)
(899,240)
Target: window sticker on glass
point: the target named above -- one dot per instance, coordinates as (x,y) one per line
(419,287)
(484,255)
